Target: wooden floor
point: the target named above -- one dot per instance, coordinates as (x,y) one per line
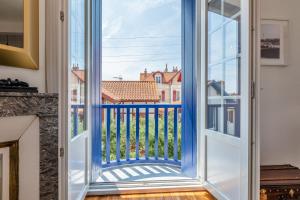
(203,195)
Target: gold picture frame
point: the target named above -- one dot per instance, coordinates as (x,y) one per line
(28,56)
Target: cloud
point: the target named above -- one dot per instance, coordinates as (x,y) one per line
(112,27)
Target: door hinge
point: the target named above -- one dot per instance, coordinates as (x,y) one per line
(61,152)
(62,16)
(253,89)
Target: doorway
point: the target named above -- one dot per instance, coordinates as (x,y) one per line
(215,126)
(146,105)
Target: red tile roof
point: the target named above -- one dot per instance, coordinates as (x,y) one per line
(126,91)
(131,91)
(79,73)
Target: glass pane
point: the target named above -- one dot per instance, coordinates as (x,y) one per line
(231,8)
(223,72)
(215,46)
(232,41)
(215,13)
(78,67)
(231,78)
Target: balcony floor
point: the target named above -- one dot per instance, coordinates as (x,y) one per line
(142,173)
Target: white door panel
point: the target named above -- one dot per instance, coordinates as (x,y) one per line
(78,98)
(78,167)
(225,98)
(223,166)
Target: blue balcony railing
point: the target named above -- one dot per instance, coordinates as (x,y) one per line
(77,112)
(139,133)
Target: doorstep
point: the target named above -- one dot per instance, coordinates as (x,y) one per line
(98,189)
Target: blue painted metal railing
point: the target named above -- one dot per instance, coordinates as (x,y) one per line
(75,122)
(126,113)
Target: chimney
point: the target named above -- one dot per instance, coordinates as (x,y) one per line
(145,72)
(166,69)
(75,67)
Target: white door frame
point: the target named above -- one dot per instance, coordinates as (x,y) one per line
(64,106)
(256,30)
(63,83)
(246,106)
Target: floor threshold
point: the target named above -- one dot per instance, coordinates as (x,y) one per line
(99,189)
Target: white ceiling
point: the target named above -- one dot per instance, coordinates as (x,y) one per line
(11,10)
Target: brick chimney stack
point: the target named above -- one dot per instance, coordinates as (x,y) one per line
(166,69)
(75,67)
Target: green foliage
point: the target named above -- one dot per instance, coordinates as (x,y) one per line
(142,130)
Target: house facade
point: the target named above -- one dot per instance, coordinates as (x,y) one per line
(223,109)
(77,86)
(168,84)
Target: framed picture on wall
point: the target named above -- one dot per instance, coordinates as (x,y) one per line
(274,42)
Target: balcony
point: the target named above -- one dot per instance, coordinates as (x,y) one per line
(140,142)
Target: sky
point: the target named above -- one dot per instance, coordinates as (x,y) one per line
(139,34)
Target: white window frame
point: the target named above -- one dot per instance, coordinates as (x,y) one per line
(158,78)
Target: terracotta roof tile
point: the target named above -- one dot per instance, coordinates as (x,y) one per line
(169,75)
(126,91)
(79,73)
(131,91)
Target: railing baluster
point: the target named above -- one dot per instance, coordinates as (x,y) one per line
(175,135)
(137,110)
(108,135)
(128,134)
(147,134)
(118,133)
(166,134)
(156,133)
(137,136)
(75,131)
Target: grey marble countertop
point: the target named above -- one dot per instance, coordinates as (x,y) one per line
(27,94)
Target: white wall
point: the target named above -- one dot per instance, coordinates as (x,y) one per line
(35,78)
(29,163)
(280,93)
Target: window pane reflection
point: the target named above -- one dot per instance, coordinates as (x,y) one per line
(78,67)
(223,72)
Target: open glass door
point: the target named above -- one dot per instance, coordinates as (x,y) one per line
(78,93)
(143,126)
(225,98)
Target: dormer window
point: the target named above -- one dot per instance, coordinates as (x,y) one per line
(158,78)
